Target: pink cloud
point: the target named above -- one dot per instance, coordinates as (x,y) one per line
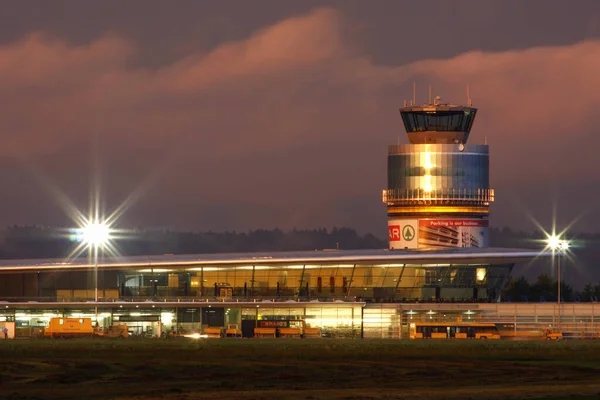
(43,62)
(289,45)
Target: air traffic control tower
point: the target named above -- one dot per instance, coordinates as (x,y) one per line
(438,193)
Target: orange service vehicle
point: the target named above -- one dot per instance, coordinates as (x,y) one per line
(69,327)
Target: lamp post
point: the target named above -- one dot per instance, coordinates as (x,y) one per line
(95,235)
(560,246)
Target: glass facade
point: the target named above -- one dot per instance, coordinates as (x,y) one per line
(305,282)
(331,320)
(438,169)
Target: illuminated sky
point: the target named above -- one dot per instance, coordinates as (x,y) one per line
(263,114)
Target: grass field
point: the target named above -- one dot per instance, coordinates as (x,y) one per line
(298,369)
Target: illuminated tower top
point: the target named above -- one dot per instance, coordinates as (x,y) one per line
(438,122)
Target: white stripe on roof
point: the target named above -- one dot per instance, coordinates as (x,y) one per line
(474,255)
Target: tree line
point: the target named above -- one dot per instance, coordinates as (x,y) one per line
(57,242)
(545,288)
(40,242)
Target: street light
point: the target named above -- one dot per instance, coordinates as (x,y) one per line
(94,235)
(560,246)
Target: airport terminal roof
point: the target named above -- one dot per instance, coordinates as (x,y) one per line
(322,257)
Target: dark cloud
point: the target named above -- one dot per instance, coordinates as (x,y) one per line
(390,31)
(286,124)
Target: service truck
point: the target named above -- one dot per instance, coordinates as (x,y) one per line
(69,327)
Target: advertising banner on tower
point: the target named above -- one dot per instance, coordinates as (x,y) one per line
(453,233)
(437,233)
(403,233)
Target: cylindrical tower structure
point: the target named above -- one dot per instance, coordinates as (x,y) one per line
(438,192)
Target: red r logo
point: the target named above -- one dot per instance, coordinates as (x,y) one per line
(394,233)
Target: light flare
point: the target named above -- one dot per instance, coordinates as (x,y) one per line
(427,165)
(95,234)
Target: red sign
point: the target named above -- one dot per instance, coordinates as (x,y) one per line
(394,233)
(453,222)
(273,324)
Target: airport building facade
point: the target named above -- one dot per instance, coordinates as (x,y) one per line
(333,291)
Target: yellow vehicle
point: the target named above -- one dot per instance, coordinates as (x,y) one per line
(549,334)
(312,332)
(113,331)
(233,330)
(454,330)
(69,327)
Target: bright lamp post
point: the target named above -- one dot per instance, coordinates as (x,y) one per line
(95,235)
(560,246)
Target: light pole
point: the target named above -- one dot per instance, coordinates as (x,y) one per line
(95,235)
(560,246)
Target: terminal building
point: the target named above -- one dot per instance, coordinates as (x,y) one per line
(329,290)
(438,265)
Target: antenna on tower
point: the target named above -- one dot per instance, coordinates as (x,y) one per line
(414,93)
(469,103)
(429,94)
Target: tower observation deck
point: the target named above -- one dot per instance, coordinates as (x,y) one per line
(438,192)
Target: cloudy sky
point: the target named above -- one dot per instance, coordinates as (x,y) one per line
(243,114)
